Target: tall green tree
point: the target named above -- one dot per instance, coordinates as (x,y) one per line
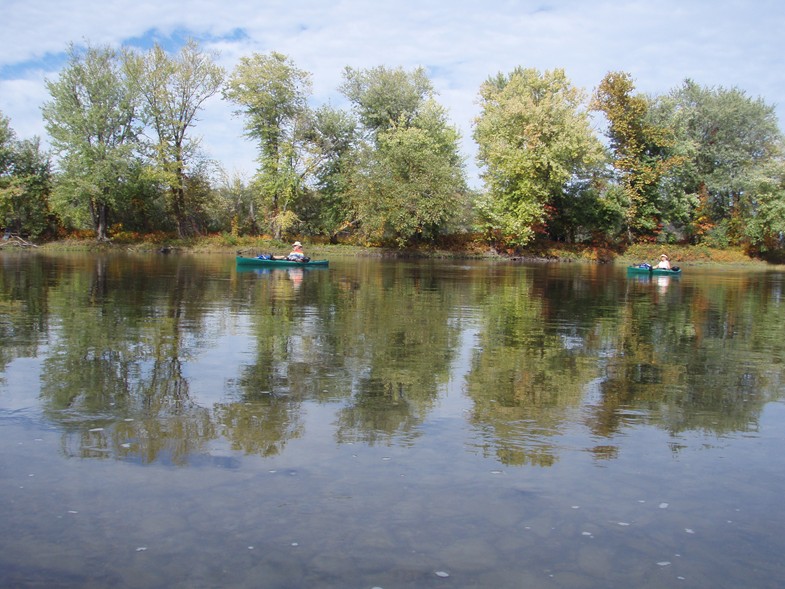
(385,97)
(174,89)
(272,94)
(25,206)
(7,138)
(10,189)
(641,151)
(25,183)
(534,137)
(92,121)
(763,209)
(727,142)
(332,144)
(410,183)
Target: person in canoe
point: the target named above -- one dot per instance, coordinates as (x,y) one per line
(664,264)
(297,254)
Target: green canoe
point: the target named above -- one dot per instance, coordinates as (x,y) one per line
(653,271)
(262,263)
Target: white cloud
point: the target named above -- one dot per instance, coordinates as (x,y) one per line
(21,99)
(461,42)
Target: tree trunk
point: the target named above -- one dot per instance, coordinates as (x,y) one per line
(99,214)
(178,209)
(102,229)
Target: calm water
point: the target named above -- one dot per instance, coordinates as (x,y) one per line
(168,421)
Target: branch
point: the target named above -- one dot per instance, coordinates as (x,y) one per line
(17,241)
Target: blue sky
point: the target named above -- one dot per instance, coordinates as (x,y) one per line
(727,43)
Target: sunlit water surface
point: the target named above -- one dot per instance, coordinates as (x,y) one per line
(168,421)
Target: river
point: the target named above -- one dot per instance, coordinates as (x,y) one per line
(170,421)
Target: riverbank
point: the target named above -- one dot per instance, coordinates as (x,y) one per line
(467,249)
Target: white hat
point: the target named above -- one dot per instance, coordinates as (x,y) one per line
(297,244)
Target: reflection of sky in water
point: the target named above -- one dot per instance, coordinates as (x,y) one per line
(453,403)
(19,377)
(231,347)
(626,501)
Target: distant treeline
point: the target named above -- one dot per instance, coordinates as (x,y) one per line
(695,165)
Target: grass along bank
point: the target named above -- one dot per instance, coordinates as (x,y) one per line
(687,254)
(463,248)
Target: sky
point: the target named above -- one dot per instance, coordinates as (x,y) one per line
(460,43)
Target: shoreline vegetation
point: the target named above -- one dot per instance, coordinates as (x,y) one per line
(544,252)
(385,176)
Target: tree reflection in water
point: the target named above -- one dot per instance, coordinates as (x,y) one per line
(122,342)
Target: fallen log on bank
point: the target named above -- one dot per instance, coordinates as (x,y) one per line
(16,241)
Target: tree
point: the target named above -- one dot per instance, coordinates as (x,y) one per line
(764,208)
(272,95)
(641,152)
(234,207)
(10,185)
(384,97)
(410,181)
(24,203)
(534,137)
(174,90)
(92,122)
(7,138)
(727,142)
(332,144)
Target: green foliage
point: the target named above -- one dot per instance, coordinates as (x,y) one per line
(27,211)
(7,138)
(764,205)
(91,119)
(174,89)
(332,152)
(587,210)
(409,189)
(146,208)
(718,236)
(730,148)
(641,152)
(697,164)
(233,205)
(384,97)
(284,222)
(25,184)
(409,183)
(272,94)
(278,190)
(199,195)
(533,137)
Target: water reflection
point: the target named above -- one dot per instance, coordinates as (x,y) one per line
(183,423)
(125,340)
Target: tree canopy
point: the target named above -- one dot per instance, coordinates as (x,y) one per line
(272,95)
(727,143)
(410,182)
(640,152)
(25,183)
(534,136)
(92,122)
(696,164)
(174,90)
